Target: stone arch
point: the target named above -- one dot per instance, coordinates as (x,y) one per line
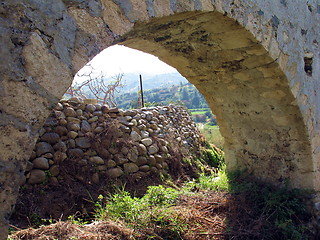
(253,75)
(245,87)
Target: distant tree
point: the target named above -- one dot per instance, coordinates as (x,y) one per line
(96,86)
(185,95)
(213,120)
(199,118)
(134,104)
(208,114)
(195,100)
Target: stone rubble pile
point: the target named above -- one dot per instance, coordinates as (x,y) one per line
(99,142)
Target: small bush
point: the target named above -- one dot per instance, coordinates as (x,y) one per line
(218,182)
(212,156)
(159,195)
(152,210)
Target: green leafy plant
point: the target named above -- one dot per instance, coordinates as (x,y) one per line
(212,156)
(77,220)
(216,182)
(149,211)
(159,195)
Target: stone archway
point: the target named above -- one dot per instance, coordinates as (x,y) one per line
(256,63)
(250,95)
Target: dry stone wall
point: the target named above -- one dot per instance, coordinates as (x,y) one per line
(109,143)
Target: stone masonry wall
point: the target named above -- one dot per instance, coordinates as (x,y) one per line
(109,143)
(256,63)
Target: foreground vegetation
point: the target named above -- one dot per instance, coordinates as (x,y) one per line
(215,206)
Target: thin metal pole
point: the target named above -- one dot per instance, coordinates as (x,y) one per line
(142,101)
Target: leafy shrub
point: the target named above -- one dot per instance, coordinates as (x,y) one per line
(158,195)
(218,182)
(137,211)
(212,156)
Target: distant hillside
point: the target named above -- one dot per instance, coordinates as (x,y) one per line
(131,81)
(161,89)
(184,94)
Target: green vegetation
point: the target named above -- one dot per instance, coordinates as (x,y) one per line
(232,205)
(152,211)
(185,94)
(199,111)
(274,213)
(212,134)
(213,156)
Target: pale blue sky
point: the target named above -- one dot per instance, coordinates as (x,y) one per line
(120,59)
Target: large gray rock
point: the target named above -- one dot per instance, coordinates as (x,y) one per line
(54,170)
(103,153)
(43,147)
(153,149)
(124,150)
(41,163)
(144,134)
(72,134)
(122,160)
(130,168)
(83,142)
(59,156)
(146,141)
(90,108)
(111,164)
(98,130)
(60,146)
(142,149)
(85,126)
(97,113)
(61,130)
(51,122)
(73,120)
(96,160)
(36,176)
(133,155)
(29,166)
(135,136)
(144,168)
(93,119)
(75,153)
(129,113)
(152,160)
(114,172)
(73,126)
(141,161)
(158,158)
(70,112)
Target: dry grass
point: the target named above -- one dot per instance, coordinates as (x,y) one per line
(204,214)
(64,230)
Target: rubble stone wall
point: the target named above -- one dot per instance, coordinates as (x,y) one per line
(109,143)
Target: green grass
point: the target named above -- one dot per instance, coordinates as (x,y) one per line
(213,135)
(199,111)
(217,182)
(151,211)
